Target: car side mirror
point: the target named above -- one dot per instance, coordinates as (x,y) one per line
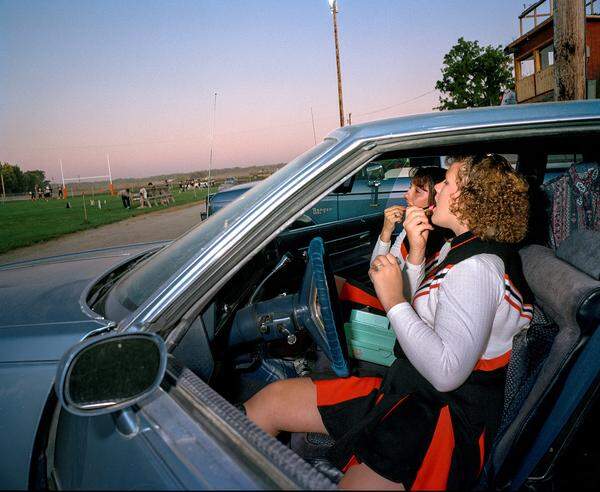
(375,174)
(108,373)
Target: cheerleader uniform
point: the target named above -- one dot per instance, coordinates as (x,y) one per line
(430,421)
(364,294)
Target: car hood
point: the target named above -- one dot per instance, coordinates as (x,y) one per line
(48,290)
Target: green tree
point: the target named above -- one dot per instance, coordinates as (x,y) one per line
(31,179)
(474,76)
(17,181)
(13,178)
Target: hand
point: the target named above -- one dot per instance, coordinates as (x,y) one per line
(417,227)
(392,216)
(387,279)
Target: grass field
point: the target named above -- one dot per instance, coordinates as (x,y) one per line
(26,222)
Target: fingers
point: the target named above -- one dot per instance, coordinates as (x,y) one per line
(384,261)
(395,208)
(415,216)
(392,259)
(394,214)
(387,280)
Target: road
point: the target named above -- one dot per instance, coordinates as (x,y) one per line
(156,226)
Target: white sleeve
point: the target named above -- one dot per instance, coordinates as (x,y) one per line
(446,353)
(380,248)
(396,248)
(414,274)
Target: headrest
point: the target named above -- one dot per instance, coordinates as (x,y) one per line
(566,294)
(582,250)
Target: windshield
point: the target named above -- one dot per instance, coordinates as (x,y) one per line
(133,289)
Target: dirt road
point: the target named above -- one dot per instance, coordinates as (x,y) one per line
(167,224)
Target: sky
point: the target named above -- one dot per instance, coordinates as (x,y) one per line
(136,80)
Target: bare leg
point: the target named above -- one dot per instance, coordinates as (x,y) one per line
(287,405)
(361,477)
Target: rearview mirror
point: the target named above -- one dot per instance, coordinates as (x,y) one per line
(108,373)
(375,175)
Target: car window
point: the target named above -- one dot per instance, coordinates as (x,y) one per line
(365,199)
(558,164)
(400,167)
(133,290)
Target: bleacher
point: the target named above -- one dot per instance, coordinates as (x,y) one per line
(157,195)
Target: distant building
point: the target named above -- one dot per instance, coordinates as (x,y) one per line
(533,52)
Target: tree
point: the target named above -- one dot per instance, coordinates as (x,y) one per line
(16,181)
(13,178)
(31,179)
(474,76)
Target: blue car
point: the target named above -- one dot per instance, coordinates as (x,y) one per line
(122,368)
(367,193)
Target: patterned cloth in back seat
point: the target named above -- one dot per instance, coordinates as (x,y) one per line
(574,202)
(530,349)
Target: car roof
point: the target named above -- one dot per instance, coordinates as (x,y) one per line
(242,186)
(473,118)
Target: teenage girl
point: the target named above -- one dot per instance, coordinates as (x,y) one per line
(430,421)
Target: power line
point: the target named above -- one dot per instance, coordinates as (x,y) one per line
(222,134)
(397,104)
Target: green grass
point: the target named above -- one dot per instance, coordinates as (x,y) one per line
(23,223)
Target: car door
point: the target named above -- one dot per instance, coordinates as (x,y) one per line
(184,436)
(348,243)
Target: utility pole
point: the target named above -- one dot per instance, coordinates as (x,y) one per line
(210,159)
(569,50)
(334,11)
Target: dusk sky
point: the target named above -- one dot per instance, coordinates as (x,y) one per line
(136,80)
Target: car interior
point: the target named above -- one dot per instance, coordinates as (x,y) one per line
(280,316)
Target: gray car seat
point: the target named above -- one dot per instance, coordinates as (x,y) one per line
(571,299)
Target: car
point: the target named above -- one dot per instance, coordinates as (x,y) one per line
(228,183)
(123,368)
(366,193)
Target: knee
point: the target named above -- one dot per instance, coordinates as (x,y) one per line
(262,408)
(266,398)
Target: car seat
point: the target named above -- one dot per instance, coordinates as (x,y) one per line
(570,300)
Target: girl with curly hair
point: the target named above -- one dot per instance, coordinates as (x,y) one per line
(429,423)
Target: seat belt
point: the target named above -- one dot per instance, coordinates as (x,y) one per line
(581,377)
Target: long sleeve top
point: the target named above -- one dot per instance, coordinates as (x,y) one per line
(466,315)
(399,249)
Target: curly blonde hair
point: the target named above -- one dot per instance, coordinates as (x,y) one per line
(493,200)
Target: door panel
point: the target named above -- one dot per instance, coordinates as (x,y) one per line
(326,210)
(349,243)
(189,438)
(171,451)
(90,453)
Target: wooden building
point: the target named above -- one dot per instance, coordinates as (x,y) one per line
(533,52)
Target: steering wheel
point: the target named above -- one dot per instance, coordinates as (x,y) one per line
(318,308)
